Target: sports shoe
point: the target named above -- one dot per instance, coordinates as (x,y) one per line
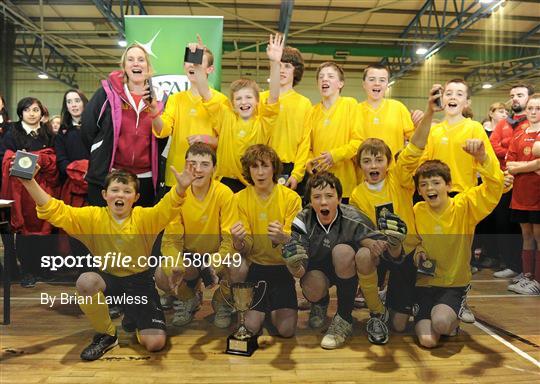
(28,281)
(505,274)
(466,315)
(337,333)
(100,344)
(317,315)
(474,269)
(185,310)
(517,278)
(223,312)
(377,329)
(167,301)
(526,286)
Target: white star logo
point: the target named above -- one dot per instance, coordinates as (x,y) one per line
(148,46)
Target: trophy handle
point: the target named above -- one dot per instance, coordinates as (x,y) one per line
(264,292)
(226,284)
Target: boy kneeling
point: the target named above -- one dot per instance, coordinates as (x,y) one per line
(447,227)
(128,231)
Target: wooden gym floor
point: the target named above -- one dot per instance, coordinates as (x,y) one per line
(42,345)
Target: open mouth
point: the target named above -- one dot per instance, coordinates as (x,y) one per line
(452,104)
(244,108)
(432,196)
(376,90)
(119,204)
(325,212)
(374,174)
(324,87)
(191,72)
(136,71)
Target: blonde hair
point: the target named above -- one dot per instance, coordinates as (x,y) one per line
(146,57)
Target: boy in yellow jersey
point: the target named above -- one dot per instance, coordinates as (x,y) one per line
(447,138)
(391,186)
(185,120)
(382,118)
(266,211)
(244,121)
(327,239)
(447,227)
(335,129)
(290,137)
(128,234)
(201,229)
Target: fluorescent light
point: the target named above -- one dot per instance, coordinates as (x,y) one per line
(486,1)
(487,86)
(43,76)
(421,51)
(122,42)
(391,83)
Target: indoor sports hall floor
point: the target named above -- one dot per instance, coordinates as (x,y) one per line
(42,345)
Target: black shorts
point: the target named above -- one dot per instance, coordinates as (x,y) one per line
(326,266)
(144,308)
(280,291)
(428,297)
(519,216)
(401,283)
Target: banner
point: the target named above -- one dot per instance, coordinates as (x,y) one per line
(166,37)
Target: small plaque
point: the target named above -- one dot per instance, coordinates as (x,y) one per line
(238,345)
(193,57)
(24,165)
(381,210)
(282,179)
(427,267)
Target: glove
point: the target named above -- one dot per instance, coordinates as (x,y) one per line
(393,227)
(294,254)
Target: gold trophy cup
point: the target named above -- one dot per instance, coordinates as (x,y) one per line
(242,342)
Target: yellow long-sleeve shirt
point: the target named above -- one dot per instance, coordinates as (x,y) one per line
(447,236)
(390,122)
(336,130)
(202,226)
(445,143)
(236,135)
(102,234)
(397,189)
(184,115)
(257,213)
(290,138)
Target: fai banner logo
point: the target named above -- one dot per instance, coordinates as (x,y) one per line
(166,85)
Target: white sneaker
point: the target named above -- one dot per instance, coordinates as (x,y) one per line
(338,332)
(185,310)
(517,278)
(505,274)
(526,287)
(466,315)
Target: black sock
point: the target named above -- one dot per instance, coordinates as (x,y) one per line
(346,291)
(192,283)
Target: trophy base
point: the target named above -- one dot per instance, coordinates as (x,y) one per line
(244,347)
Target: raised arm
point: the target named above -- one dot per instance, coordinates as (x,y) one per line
(274,51)
(421,134)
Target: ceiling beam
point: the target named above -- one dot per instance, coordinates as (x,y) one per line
(285,16)
(526,61)
(456,17)
(106,7)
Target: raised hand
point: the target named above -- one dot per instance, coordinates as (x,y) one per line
(238,233)
(435,98)
(184,179)
(475,148)
(274,50)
